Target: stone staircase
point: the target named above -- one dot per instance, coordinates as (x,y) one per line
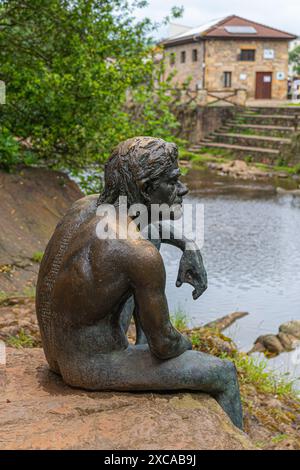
(256,134)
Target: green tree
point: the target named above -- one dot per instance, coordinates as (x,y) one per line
(294,58)
(69,66)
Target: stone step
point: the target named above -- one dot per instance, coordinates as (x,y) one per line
(257,137)
(251,140)
(261,127)
(258,129)
(292,110)
(267,119)
(267,116)
(263,155)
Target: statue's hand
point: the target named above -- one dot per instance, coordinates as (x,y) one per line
(192,271)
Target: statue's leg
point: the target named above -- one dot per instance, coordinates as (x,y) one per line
(140,335)
(136,369)
(126,314)
(125,318)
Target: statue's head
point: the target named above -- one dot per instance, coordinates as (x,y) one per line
(145,169)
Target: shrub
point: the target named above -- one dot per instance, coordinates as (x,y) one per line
(9,150)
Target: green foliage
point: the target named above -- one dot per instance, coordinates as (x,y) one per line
(294,58)
(179,319)
(290,170)
(12,153)
(37,256)
(90,181)
(281,162)
(184,170)
(215,151)
(70,69)
(186,154)
(297,169)
(149,107)
(279,438)
(9,150)
(21,340)
(253,370)
(242,131)
(195,339)
(3,296)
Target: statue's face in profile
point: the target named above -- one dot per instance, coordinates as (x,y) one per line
(170,191)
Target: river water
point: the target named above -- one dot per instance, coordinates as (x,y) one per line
(252,255)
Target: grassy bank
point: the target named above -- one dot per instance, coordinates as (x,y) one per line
(204,156)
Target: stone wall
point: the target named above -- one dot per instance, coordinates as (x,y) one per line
(189,69)
(221,56)
(198,122)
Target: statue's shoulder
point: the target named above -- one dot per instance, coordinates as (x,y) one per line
(80,211)
(142,257)
(86,202)
(129,252)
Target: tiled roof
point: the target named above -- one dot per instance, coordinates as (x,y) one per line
(229,27)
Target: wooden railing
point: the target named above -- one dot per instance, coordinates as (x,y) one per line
(225,96)
(204,97)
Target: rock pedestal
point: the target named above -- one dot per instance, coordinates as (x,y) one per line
(38,411)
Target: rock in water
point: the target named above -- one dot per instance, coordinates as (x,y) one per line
(270,343)
(286,340)
(289,342)
(291,328)
(38,411)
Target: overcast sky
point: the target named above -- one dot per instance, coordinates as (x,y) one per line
(281,14)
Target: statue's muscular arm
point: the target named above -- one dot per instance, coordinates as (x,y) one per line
(147,279)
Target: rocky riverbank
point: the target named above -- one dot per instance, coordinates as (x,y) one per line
(286,179)
(32,202)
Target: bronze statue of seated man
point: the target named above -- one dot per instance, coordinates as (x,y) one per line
(89,287)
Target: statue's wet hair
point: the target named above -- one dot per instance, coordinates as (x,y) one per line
(133,163)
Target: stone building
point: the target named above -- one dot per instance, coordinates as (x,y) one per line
(231,53)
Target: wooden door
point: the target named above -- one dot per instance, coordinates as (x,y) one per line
(263,86)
